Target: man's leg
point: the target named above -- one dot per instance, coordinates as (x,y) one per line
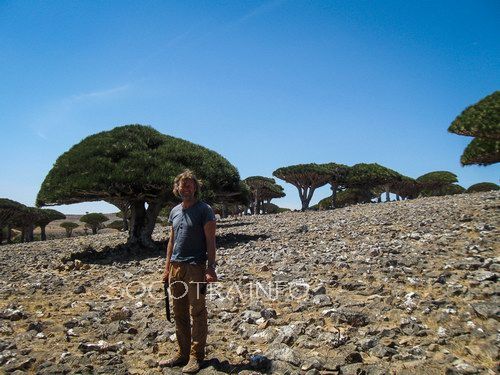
(198,311)
(180,295)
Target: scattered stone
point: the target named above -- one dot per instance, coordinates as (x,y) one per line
(79,289)
(12,314)
(375,283)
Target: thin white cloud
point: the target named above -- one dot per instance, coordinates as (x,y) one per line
(58,114)
(258,11)
(98,94)
(41,135)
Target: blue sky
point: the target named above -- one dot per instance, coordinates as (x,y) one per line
(264,83)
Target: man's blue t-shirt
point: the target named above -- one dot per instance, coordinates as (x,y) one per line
(189,236)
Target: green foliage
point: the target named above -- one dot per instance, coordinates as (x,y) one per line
(436,183)
(270,208)
(452,189)
(120,215)
(133,166)
(283,209)
(338,173)
(407,187)
(480,120)
(47,215)
(264,188)
(161,221)
(8,209)
(133,162)
(165,211)
(116,224)
(94,220)
(68,226)
(368,176)
(306,178)
(324,204)
(437,178)
(304,175)
(481,151)
(242,196)
(482,186)
(346,198)
(26,217)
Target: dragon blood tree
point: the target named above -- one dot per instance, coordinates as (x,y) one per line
(135,165)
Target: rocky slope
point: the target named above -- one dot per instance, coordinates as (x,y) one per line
(401,287)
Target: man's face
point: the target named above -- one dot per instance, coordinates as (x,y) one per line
(187,188)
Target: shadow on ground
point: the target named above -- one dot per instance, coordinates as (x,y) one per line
(230,240)
(119,254)
(225,367)
(125,254)
(231,225)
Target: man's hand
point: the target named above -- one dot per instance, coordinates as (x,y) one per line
(210,275)
(165,276)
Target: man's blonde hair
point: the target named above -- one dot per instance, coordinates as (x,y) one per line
(186,175)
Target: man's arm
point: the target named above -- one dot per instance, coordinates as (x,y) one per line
(170,248)
(209,229)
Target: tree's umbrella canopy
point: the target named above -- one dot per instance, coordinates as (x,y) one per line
(437,178)
(482,186)
(480,120)
(306,178)
(266,187)
(368,176)
(116,224)
(438,183)
(481,151)
(338,173)
(133,162)
(68,225)
(94,218)
(407,187)
(304,175)
(270,208)
(9,208)
(452,189)
(47,215)
(346,197)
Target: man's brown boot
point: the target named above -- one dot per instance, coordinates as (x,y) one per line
(192,367)
(176,360)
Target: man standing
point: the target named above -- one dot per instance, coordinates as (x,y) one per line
(191,245)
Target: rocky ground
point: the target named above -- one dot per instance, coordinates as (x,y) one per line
(392,288)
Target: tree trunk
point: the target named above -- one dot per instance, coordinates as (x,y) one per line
(334,195)
(1,235)
(387,196)
(94,229)
(142,224)
(223,211)
(43,236)
(256,203)
(9,234)
(31,236)
(68,232)
(305,196)
(23,235)
(125,222)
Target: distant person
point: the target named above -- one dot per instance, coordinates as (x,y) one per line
(190,247)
